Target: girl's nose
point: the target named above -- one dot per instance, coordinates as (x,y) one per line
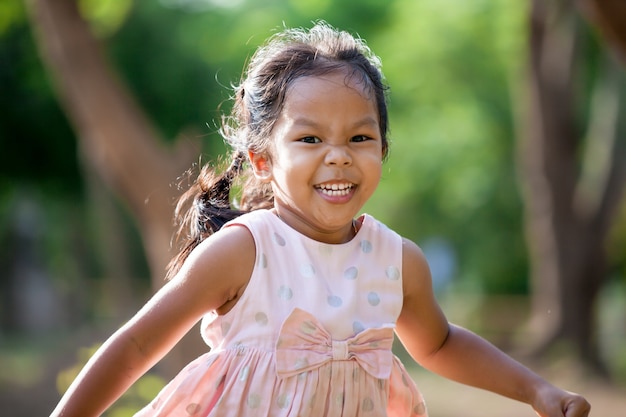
(338,156)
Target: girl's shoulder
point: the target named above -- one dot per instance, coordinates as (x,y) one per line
(416,273)
(257,222)
(221,265)
(254,218)
(410,250)
(415,269)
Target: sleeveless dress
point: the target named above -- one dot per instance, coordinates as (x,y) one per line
(310,336)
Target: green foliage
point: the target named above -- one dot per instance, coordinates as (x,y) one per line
(38,146)
(450,174)
(11,14)
(22,364)
(105,16)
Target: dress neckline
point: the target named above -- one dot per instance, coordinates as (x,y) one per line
(362,219)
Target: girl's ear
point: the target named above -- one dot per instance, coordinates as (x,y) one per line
(261,166)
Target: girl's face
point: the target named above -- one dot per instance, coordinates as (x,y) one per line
(326,157)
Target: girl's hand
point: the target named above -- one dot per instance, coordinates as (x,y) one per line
(554,402)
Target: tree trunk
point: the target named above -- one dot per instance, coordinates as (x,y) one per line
(115,137)
(568,210)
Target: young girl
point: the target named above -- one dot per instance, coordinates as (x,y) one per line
(299,298)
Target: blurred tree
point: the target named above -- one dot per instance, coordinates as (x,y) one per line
(117,140)
(573,173)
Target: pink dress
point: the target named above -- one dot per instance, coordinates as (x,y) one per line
(310,336)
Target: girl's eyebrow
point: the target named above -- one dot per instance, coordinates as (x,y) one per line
(367,121)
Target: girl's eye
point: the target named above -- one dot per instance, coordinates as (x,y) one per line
(360,138)
(310,139)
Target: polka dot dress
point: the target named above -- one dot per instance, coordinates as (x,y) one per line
(310,336)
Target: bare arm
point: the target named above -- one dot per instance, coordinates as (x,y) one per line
(213,276)
(462,356)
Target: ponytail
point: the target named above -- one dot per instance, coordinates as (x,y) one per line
(204,208)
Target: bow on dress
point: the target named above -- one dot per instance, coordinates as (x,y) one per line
(303,344)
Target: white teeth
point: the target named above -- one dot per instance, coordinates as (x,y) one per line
(336,189)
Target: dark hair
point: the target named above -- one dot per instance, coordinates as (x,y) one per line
(258,101)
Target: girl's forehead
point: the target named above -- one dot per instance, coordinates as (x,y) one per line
(329,101)
(337,82)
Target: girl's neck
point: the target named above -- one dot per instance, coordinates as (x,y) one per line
(339,236)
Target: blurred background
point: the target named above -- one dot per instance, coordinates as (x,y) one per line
(507,166)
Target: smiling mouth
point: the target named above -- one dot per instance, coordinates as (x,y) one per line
(335,190)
